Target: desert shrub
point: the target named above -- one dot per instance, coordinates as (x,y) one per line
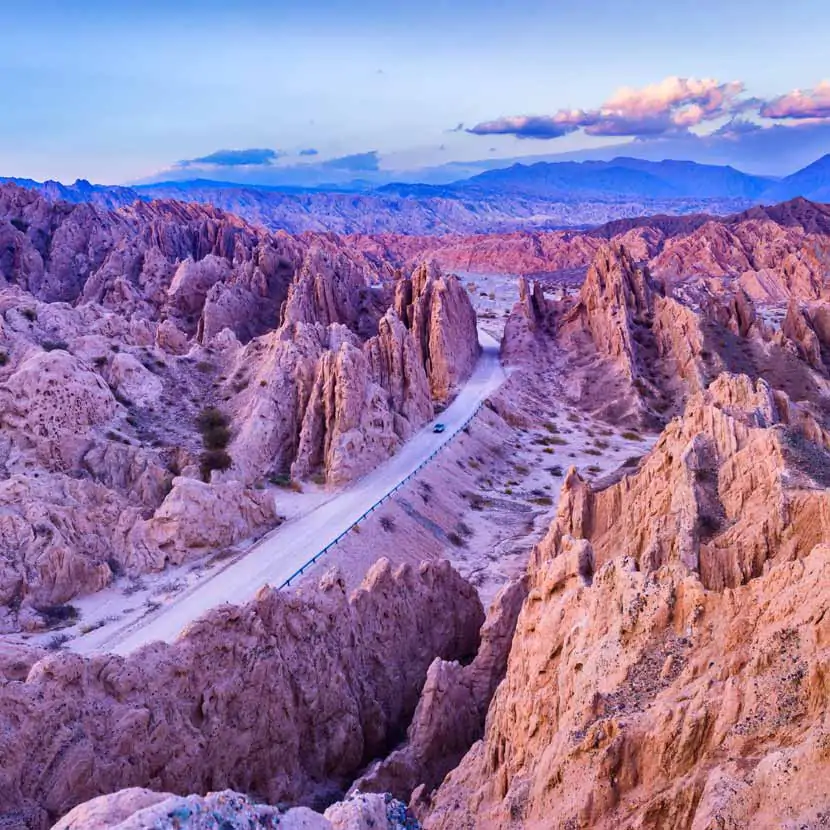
(4,358)
(543,501)
(54,345)
(213,424)
(508,491)
(630,435)
(593,469)
(21,224)
(556,471)
(56,614)
(319,478)
(592,451)
(600,444)
(204,366)
(557,442)
(455,539)
(263,382)
(522,469)
(464,529)
(211,460)
(387,524)
(633,461)
(574,418)
(30,314)
(57,642)
(100,362)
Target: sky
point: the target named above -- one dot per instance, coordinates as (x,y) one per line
(120,91)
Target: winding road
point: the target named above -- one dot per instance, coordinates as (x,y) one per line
(282,552)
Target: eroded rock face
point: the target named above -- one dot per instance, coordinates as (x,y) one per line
(436,309)
(140,809)
(196,518)
(668,672)
(739,480)
(451,711)
(284,697)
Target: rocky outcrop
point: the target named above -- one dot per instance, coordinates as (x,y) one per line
(615,296)
(140,809)
(436,309)
(669,666)
(285,697)
(798,329)
(363,403)
(196,518)
(451,711)
(739,480)
(50,404)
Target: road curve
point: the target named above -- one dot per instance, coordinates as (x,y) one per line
(279,554)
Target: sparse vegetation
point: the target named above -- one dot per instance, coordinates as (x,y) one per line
(543,501)
(58,614)
(30,314)
(57,642)
(211,460)
(556,471)
(319,478)
(20,224)
(630,435)
(387,524)
(55,345)
(100,362)
(4,358)
(455,539)
(633,461)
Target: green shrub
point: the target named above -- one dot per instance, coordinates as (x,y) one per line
(211,460)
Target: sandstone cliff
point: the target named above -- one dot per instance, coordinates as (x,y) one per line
(285,697)
(436,309)
(669,667)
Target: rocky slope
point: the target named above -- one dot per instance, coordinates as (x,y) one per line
(237,702)
(669,667)
(139,809)
(773,253)
(161,363)
(635,346)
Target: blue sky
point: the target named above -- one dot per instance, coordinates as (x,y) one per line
(115,91)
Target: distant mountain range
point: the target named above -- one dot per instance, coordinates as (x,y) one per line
(544,195)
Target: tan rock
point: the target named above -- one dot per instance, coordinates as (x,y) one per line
(284,697)
(196,518)
(438,312)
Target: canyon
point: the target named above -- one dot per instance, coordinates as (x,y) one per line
(601,604)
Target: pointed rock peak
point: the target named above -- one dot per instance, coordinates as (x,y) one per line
(615,277)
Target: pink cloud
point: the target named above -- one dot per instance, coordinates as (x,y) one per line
(800,104)
(672,105)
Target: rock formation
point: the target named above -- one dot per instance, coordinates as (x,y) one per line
(669,667)
(436,309)
(284,698)
(118,328)
(451,711)
(139,809)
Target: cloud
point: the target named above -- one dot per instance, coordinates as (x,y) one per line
(358,162)
(234,158)
(524,126)
(671,106)
(310,151)
(736,128)
(800,104)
